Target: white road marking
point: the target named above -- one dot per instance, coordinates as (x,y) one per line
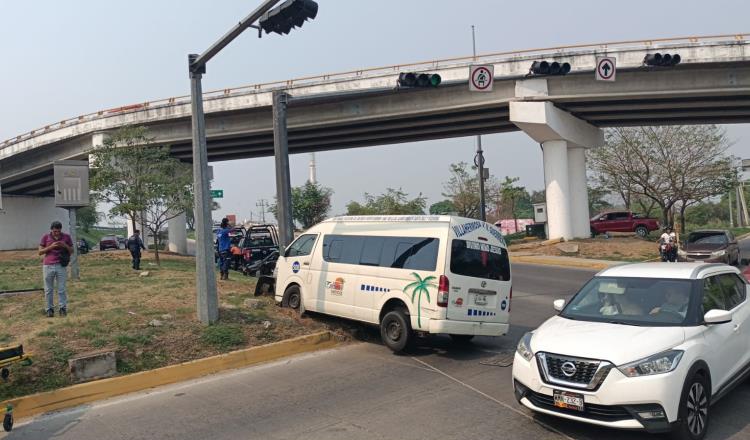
(487,396)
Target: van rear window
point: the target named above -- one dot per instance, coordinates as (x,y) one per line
(414,253)
(479,260)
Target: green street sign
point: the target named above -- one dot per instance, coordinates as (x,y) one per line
(217,193)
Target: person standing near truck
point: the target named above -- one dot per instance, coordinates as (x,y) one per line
(222,236)
(52,246)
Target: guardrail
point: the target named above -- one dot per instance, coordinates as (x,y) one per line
(353,74)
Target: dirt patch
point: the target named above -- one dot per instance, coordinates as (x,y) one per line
(614,248)
(149,322)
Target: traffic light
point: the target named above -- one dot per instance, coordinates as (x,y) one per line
(290,14)
(547,68)
(658,59)
(413,79)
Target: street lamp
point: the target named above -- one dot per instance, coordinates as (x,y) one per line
(290,14)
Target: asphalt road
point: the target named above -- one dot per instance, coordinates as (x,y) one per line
(363,391)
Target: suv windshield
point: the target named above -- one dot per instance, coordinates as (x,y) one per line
(647,302)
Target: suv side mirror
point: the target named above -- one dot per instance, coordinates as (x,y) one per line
(717,316)
(558,304)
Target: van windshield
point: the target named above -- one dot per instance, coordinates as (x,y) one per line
(479,260)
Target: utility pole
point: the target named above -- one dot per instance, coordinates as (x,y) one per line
(263,203)
(281,152)
(313,178)
(479,157)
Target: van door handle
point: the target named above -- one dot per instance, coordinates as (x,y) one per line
(736,327)
(306,263)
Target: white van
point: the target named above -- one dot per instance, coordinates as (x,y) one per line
(432,274)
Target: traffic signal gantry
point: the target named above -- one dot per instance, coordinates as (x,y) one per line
(414,79)
(288,15)
(549,68)
(659,59)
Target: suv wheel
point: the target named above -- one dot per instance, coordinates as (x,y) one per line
(641,231)
(694,406)
(395,330)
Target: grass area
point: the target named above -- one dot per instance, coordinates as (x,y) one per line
(739,231)
(113,308)
(95,234)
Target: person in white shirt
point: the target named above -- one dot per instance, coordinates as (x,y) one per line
(669,253)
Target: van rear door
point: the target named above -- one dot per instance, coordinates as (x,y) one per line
(479,276)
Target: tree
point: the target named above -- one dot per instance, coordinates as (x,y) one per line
(122,165)
(136,177)
(669,166)
(87,216)
(598,200)
(392,202)
(310,203)
(462,188)
(169,193)
(444,207)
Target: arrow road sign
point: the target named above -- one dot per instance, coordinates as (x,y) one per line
(605,68)
(480,78)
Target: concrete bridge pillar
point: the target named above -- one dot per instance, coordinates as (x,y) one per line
(177,241)
(24,220)
(563,138)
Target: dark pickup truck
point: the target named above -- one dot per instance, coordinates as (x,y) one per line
(623,221)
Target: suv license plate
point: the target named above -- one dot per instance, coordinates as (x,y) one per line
(565,399)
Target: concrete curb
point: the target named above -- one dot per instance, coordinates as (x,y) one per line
(75,395)
(578,263)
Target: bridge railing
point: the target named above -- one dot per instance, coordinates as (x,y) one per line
(354,74)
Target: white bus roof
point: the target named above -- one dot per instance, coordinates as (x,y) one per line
(391,218)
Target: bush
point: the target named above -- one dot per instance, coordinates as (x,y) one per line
(223,336)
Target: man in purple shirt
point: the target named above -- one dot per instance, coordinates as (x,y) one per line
(51,246)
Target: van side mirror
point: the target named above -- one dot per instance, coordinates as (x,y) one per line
(717,316)
(558,304)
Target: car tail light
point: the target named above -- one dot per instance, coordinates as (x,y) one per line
(247,253)
(510,298)
(443,286)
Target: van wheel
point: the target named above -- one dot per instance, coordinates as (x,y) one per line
(694,406)
(291,297)
(641,231)
(395,330)
(462,339)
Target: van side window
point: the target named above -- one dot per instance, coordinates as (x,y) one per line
(479,260)
(301,246)
(414,253)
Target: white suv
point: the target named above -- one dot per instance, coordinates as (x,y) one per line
(641,346)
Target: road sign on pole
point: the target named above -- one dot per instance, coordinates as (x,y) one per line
(480,78)
(217,193)
(605,68)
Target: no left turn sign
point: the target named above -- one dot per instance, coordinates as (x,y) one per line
(480,78)
(605,68)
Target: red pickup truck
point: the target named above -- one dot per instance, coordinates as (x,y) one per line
(623,221)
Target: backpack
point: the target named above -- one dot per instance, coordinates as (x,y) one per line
(64,257)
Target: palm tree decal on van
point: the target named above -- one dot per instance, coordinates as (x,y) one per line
(418,287)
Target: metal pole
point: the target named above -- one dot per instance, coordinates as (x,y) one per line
(205,277)
(283,187)
(731,218)
(479,159)
(74,270)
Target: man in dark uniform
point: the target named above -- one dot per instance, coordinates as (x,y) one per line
(134,245)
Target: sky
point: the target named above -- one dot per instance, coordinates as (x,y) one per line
(63,59)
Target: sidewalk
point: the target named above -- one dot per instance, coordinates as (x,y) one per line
(551,260)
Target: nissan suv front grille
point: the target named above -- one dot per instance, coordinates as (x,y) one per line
(572,371)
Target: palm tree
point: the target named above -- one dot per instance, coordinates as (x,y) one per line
(418,287)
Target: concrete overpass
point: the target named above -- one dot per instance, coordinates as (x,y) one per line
(366,108)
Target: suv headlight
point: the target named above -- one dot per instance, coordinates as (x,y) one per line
(524,346)
(718,253)
(657,364)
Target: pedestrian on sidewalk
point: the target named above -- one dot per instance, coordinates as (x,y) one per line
(225,257)
(56,247)
(134,245)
